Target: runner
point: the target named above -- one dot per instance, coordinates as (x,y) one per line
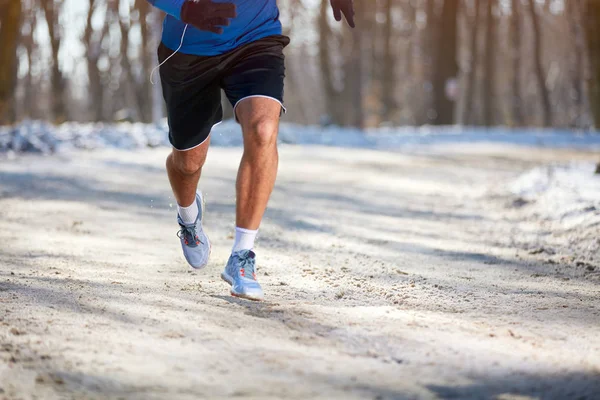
(236,46)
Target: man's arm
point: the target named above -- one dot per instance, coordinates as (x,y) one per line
(345,7)
(202,14)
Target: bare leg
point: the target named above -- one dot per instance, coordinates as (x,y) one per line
(259,118)
(184,169)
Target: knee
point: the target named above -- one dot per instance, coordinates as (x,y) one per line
(184,163)
(261,132)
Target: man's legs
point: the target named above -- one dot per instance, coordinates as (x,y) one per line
(259,118)
(184,169)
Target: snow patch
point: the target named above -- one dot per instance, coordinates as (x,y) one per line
(561,191)
(42,137)
(566,198)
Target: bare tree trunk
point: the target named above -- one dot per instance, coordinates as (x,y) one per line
(127,78)
(331,93)
(10,22)
(431,36)
(410,73)
(303,98)
(29,105)
(474,63)
(445,65)
(489,81)
(389,64)
(93,48)
(432,33)
(573,13)
(539,69)
(158,107)
(547,4)
(515,35)
(58,107)
(355,81)
(144,87)
(592,28)
(411,19)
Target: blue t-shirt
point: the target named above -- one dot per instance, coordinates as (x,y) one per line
(255,20)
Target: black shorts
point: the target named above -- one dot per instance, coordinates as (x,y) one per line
(192,85)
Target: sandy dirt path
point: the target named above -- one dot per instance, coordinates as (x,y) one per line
(388,276)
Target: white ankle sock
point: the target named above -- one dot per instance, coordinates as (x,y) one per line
(244,239)
(188,214)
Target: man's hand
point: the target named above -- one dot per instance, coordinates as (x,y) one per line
(345,7)
(208,16)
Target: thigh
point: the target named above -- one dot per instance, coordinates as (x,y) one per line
(257,71)
(192,94)
(259,116)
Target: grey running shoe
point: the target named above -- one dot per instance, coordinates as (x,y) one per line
(195,243)
(240,273)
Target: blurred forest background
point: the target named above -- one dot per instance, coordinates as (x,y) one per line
(408,62)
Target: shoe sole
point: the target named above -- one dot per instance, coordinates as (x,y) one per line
(229,281)
(243,296)
(202,210)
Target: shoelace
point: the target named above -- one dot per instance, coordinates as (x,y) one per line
(188,234)
(247,266)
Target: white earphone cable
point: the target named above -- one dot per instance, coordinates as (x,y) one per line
(167,59)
